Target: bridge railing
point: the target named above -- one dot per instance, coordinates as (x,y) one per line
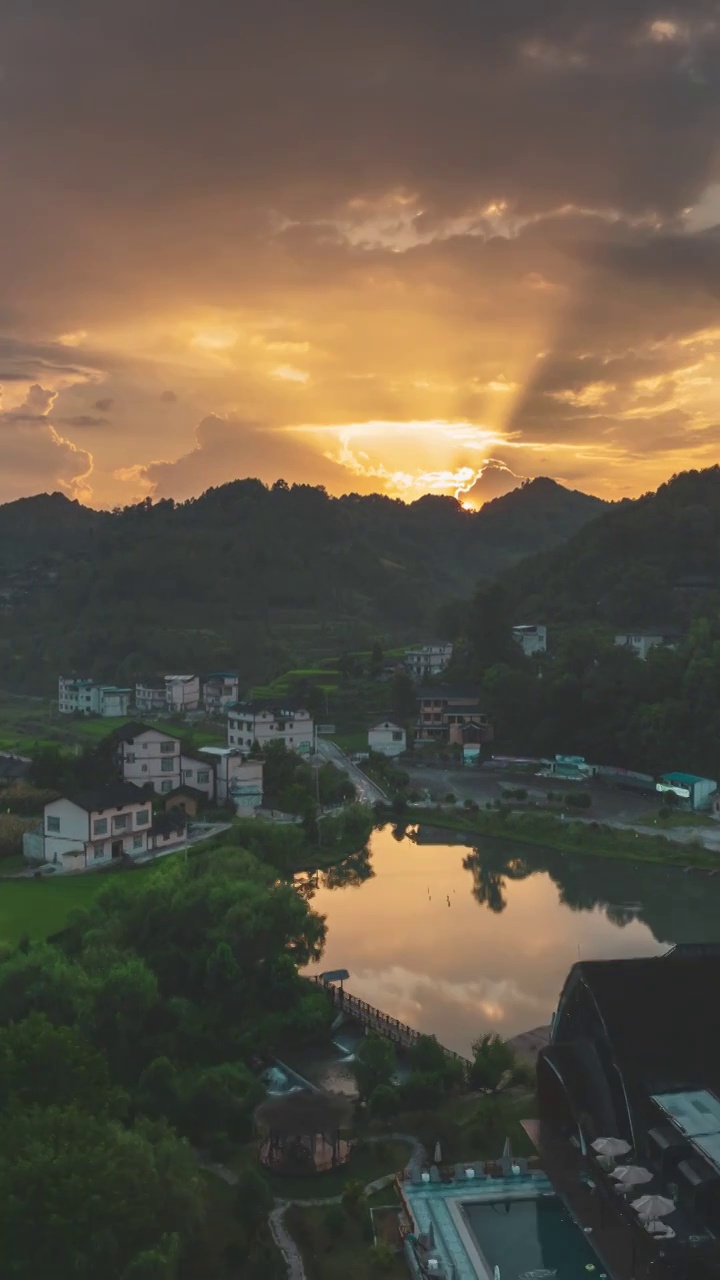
(370,1014)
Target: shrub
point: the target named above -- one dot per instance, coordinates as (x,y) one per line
(381,1256)
(384,1102)
(335,1221)
(578,799)
(493,1060)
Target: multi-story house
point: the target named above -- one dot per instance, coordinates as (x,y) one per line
(199,774)
(150,695)
(183,693)
(452,715)
(220,690)
(85,697)
(532,639)
(167,694)
(237,778)
(428,660)
(92,828)
(149,756)
(263,722)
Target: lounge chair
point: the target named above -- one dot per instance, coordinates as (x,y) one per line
(416,1175)
(479,1169)
(660,1230)
(435,1174)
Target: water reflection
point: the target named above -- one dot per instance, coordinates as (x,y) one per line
(458,939)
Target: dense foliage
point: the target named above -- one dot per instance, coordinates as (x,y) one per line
(139,1031)
(246,576)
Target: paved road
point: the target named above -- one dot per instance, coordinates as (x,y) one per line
(368,792)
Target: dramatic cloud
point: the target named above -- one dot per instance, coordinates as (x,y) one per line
(35,456)
(410,238)
(494,480)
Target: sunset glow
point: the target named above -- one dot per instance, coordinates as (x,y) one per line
(459,286)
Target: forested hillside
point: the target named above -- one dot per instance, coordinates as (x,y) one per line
(247,576)
(641,564)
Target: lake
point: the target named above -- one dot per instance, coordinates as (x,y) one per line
(457,940)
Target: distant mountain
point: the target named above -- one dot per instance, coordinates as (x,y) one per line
(654,561)
(247,575)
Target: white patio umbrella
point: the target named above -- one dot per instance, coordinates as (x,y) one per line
(611,1147)
(631,1175)
(437,1158)
(651,1207)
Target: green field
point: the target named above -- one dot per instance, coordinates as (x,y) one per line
(37,908)
(26,723)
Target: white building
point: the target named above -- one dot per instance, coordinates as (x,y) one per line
(387,738)
(236,777)
(85,697)
(149,756)
(199,774)
(532,639)
(260,722)
(97,827)
(641,642)
(183,693)
(220,690)
(167,693)
(428,660)
(151,694)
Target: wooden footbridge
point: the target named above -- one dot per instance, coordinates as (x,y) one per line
(370,1017)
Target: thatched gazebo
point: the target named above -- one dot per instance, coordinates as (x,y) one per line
(301,1132)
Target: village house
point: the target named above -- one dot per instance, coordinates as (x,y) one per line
(198,774)
(641,642)
(149,756)
(387,739)
(532,639)
(264,721)
(427,660)
(176,694)
(237,778)
(452,715)
(220,690)
(690,791)
(85,697)
(92,828)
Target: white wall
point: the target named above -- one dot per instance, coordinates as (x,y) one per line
(146,761)
(244,728)
(387,738)
(183,692)
(66,827)
(86,839)
(198,774)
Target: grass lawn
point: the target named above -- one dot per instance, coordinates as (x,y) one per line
(37,908)
(679,818)
(349,742)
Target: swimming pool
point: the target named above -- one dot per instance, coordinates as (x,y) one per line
(537,1234)
(517,1225)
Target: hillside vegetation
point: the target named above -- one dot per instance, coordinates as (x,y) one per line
(247,576)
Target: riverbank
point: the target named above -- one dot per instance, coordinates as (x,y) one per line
(568,835)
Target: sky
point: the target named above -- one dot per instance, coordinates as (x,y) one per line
(405,246)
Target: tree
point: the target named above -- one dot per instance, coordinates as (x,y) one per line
(381,1256)
(493,1061)
(428,1058)
(42,1065)
(384,1102)
(253,1201)
(335,1221)
(82,1197)
(376,659)
(403,698)
(353,1198)
(374,1064)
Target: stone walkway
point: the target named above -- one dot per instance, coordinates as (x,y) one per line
(276,1218)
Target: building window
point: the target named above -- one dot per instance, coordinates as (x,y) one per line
(138,842)
(130,757)
(143,768)
(232,738)
(167,748)
(167,766)
(165,787)
(99,851)
(203,775)
(100,827)
(120,822)
(189,773)
(53,824)
(142,818)
(397,737)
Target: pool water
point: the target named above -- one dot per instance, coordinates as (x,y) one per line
(537,1234)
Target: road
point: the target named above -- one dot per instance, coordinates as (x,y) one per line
(368,792)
